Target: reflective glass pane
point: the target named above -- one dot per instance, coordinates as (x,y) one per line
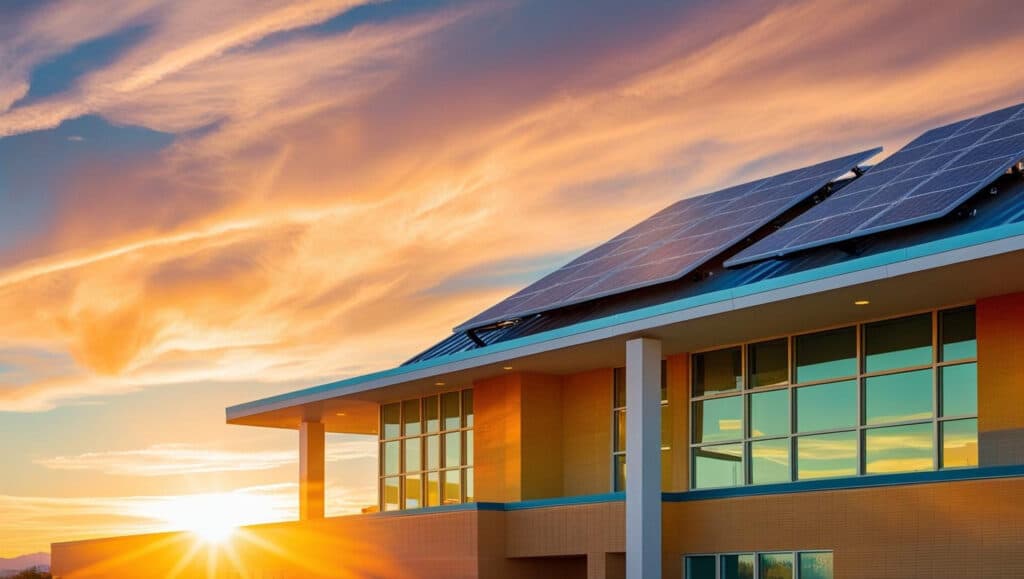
(826,406)
(899,448)
(413,455)
(816,565)
(898,397)
(452,449)
(389,416)
(390,493)
(467,408)
(718,466)
(619,418)
(452,487)
(411,417)
(738,566)
(433,452)
(960,390)
(450,410)
(430,415)
(826,455)
(470,493)
(433,489)
(619,388)
(666,427)
(413,492)
(391,452)
(769,413)
(768,363)
(776,565)
(619,472)
(468,458)
(831,354)
(717,371)
(898,343)
(957,334)
(769,461)
(700,567)
(960,443)
(718,419)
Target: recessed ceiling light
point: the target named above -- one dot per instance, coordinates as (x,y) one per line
(861,302)
(507,367)
(340,414)
(438,383)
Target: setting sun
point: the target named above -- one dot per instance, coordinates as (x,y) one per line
(213,517)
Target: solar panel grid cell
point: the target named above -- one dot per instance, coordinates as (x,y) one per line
(925,180)
(672,242)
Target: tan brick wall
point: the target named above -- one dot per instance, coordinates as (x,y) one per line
(586,432)
(542,436)
(952,529)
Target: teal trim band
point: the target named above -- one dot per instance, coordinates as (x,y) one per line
(859,482)
(516,506)
(818,274)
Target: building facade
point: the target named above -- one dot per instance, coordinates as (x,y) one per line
(852,410)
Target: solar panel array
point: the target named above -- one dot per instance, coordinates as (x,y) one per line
(929,178)
(671,243)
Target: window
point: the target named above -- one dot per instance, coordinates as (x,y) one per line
(895,395)
(769,565)
(426,451)
(619,428)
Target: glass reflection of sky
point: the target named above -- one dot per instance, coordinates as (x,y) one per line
(718,466)
(831,354)
(960,443)
(769,413)
(900,343)
(718,419)
(960,390)
(899,449)
(769,461)
(827,455)
(827,406)
(898,397)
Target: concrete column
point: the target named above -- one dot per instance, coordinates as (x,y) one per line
(311,471)
(643,458)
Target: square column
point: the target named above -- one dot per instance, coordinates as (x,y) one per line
(643,458)
(311,470)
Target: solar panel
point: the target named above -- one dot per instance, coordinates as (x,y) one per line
(671,243)
(929,178)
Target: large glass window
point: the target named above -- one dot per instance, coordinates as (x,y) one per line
(619,428)
(426,451)
(898,395)
(773,565)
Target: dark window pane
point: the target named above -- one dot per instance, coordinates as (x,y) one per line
(776,565)
(413,491)
(769,461)
(433,452)
(390,493)
(619,388)
(468,458)
(816,565)
(717,371)
(619,472)
(450,410)
(718,419)
(664,381)
(826,455)
(898,397)
(430,414)
(960,390)
(411,417)
(899,343)
(826,406)
(769,363)
(452,449)
(391,452)
(769,413)
(738,566)
(467,408)
(831,354)
(390,415)
(899,448)
(701,567)
(960,443)
(433,489)
(413,455)
(470,492)
(619,418)
(452,487)
(718,466)
(957,334)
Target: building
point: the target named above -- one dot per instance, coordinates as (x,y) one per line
(814,375)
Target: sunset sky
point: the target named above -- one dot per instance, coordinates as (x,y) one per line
(208,202)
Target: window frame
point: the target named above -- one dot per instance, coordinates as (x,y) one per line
(613,483)
(719,556)
(860,427)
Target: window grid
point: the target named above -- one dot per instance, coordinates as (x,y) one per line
(756,555)
(619,413)
(425,472)
(938,418)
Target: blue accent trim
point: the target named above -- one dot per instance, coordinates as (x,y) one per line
(517,506)
(859,482)
(817,274)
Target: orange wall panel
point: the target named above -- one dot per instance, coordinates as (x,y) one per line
(587,432)
(497,459)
